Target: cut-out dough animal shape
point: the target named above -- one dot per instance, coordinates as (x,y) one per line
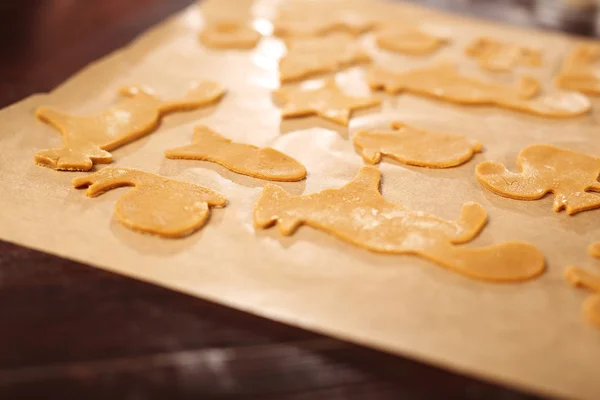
(327,101)
(413,146)
(88,139)
(414,42)
(594,249)
(442,81)
(228,25)
(580,70)
(581,278)
(156,205)
(318,18)
(229,36)
(358,214)
(263,163)
(495,55)
(547,169)
(227,11)
(314,56)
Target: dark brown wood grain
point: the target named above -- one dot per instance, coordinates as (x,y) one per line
(68,331)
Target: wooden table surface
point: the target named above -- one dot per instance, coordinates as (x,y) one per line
(68,331)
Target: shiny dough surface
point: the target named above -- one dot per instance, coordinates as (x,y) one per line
(519,334)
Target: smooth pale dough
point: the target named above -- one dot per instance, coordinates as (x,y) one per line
(581,278)
(88,139)
(229,36)
(495,55)
(327,101)
(317,18)
(414,146)
(546,169)
(358,214)
(443,81)
(263,163)
(579,70)
(314,56)
(156,205)
(412,41)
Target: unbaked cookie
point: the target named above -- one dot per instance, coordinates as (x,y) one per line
(327,101)
(415,42)
(580,71)
(358,214)
(547,169)
(414,146)
(442,81)
(498,56)
(314,56)
(263,163)
(88,139)
(156,205)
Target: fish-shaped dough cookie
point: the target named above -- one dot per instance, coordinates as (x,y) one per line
(263,163)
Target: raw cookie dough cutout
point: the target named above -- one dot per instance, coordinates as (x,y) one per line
(263,163)
(318,18)
(314,56)
(228,25)
(495,55)
(156,205)
(87,140)
(442,81)
(546,169)
(358,214)
(225,36)
(581,278)
(580,71)
(594,249)
(414,146)
(327,101)
(415,42)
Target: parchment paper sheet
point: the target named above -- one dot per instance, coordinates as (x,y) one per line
(530,335)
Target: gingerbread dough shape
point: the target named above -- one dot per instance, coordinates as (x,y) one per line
(579,70)
(546,169)
(594,249)
(318,18)
(228,25)
(417,147)
(413,42)
(263,163)
(156,205)
(88,139)
(314,56)
(358,214)
(579,277)
(226,36)
(327,101)
(497,56)
(442,81)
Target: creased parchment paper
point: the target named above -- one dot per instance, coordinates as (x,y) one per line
(530,335)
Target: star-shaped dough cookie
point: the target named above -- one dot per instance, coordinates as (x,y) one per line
(327,101)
